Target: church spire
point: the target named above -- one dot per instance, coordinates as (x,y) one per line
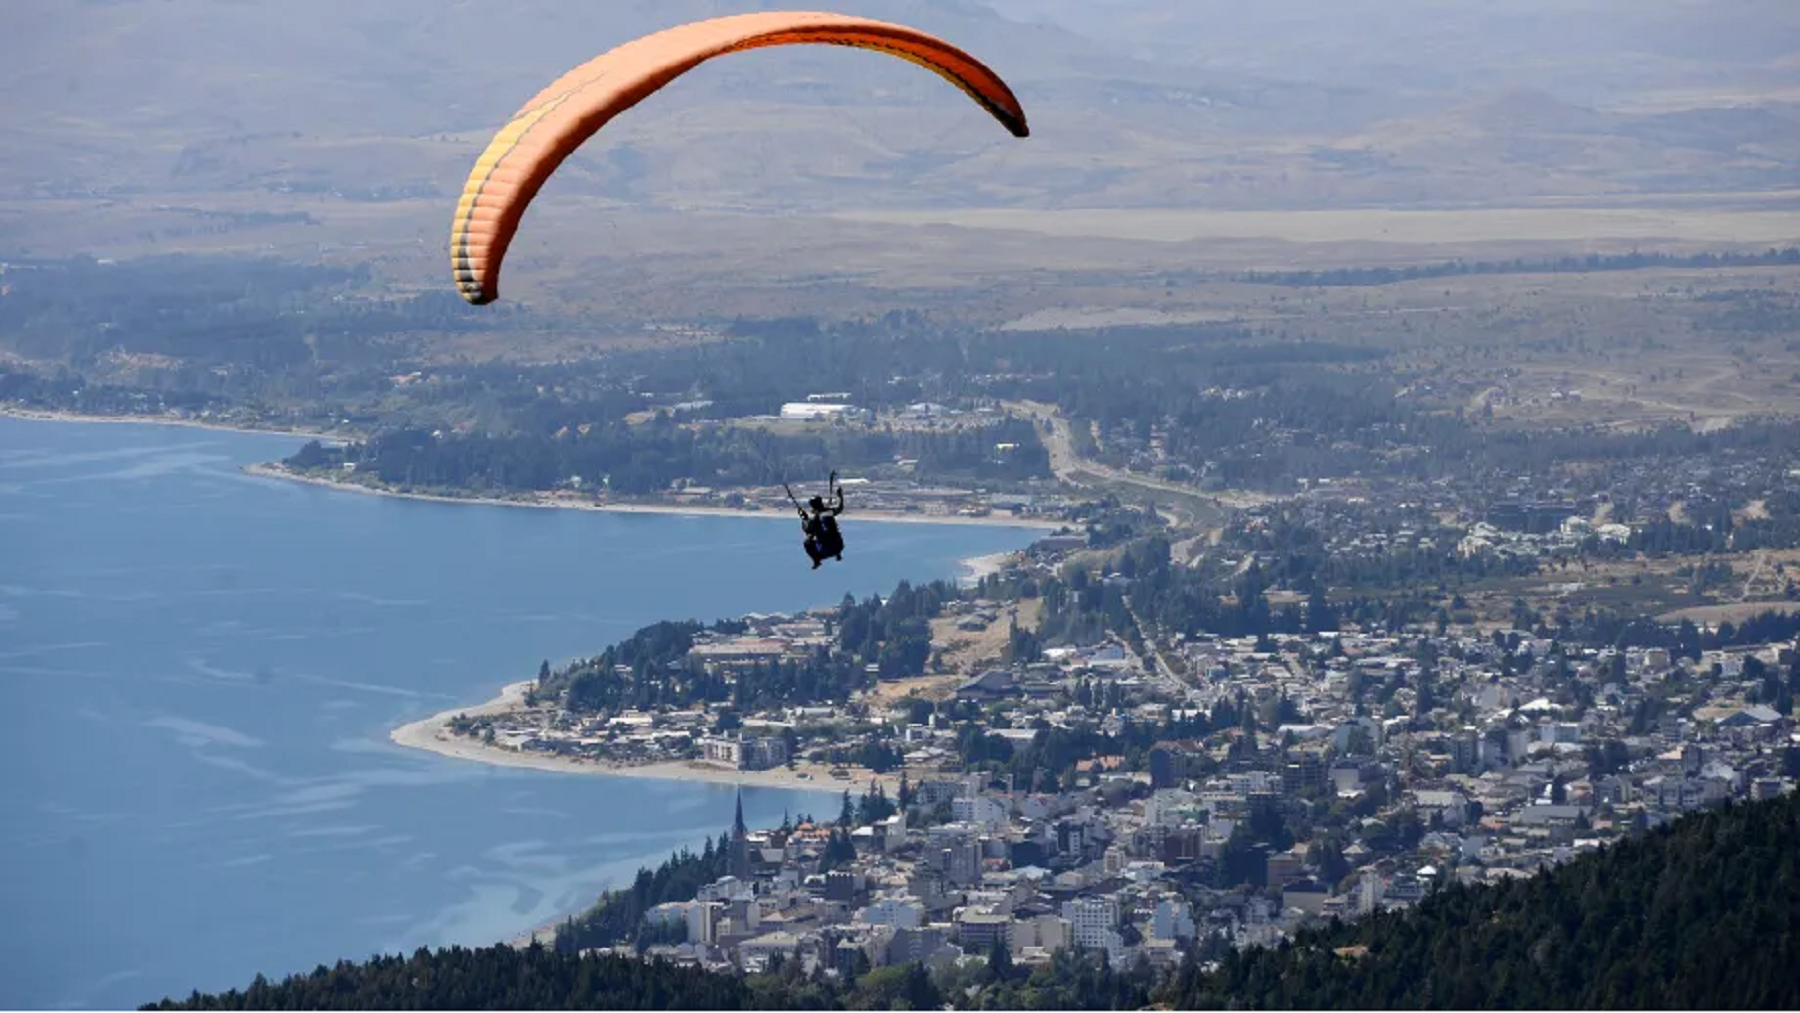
(738,859)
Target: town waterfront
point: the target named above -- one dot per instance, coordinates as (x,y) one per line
(205,667)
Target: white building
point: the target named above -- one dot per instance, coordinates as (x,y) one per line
(980,810)
(896,912)
(703,921)
(1093,921)
(1171,807)
(1045,932)
(805,411)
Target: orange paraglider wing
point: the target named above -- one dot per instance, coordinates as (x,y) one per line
(561,117)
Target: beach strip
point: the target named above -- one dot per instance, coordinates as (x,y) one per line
(433,735)
(48,415)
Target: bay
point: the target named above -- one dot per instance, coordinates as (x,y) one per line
(202,667)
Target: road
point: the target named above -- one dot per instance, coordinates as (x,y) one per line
(1069,466)
(1159,665)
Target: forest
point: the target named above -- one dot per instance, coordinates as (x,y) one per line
(261,315)
(638,460)
(652,667)
(1701,913)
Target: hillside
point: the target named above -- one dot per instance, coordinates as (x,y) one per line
(1704,913)
(394,100)
(1590,51)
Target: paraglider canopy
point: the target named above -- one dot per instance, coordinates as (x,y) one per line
(556,121)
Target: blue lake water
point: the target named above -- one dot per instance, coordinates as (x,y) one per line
(201,669)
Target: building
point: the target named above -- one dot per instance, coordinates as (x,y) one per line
(902,912)
(1282,868)
(1465,750)
(760,753)
(739,860)
(1306,895)
(703,922)
(738,654)
(1092,921)
(1303,774)
(979,930)
(980,810)
(1172,920)
(755,954)
(919,945)
(819,411)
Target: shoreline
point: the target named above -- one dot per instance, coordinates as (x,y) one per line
(59,415)
(542,501)
(433,735)
(984,566)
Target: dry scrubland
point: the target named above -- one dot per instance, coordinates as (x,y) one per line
(1658,586)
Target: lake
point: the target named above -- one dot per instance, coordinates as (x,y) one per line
(203,668)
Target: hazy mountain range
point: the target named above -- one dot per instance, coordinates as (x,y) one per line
(1134,103)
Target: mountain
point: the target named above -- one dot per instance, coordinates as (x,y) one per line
(342,131)
(1589,51)
(395,99)
(1700,914)
(1134,103)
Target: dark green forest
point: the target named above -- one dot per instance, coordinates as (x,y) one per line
(639,460)
(1700,914)
(652,668)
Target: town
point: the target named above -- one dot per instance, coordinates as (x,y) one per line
(1032,763)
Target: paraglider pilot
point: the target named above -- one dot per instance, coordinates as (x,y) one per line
(823,539)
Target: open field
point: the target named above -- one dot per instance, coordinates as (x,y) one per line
(1712,615)
(1659,586)
(965,652)
(1566,224)
(1626,347)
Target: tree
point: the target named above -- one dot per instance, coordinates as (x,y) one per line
(999,958)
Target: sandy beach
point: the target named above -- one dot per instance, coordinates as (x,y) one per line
(159,420)
(985,566)
(433,735)
(552,501)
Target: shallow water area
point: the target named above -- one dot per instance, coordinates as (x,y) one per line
(204,667)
